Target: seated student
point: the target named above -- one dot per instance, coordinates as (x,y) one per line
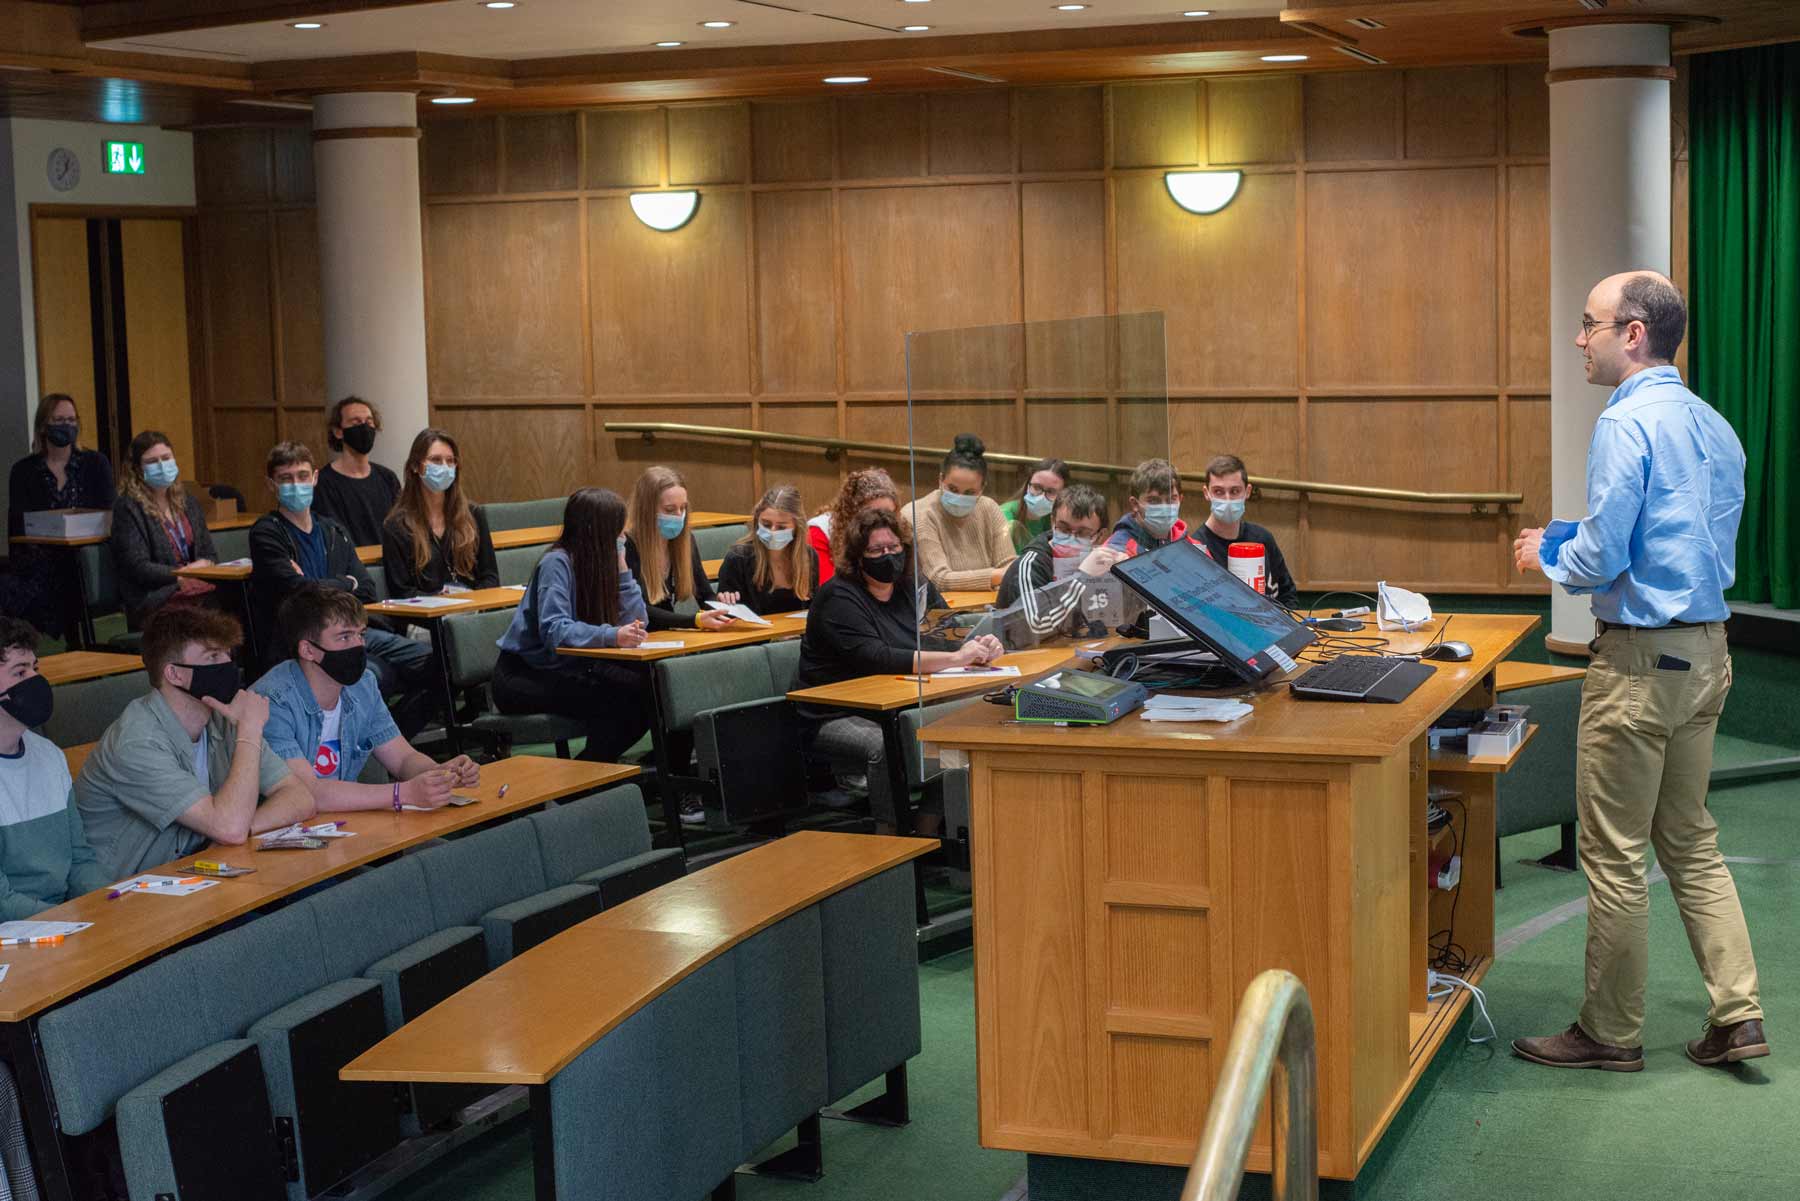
(662,556)
(1028,512)
(44,854)
(866,488)
(962,541)
(434,537)
(1059,567)
(1227,488)
(156,527)
(353,490)
(1155,517)
(185,764)
(865,621)
(581,594)
(770,569)
(57,474)
(326,716)
(294,545)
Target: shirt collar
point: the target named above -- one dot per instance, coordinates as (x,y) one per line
(1665,374)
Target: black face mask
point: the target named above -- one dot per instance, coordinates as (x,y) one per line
(29,701)
(61,435)
(346,666)
(220,681)
(884,569)
(360,438)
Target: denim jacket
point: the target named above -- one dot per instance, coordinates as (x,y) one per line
(296,721)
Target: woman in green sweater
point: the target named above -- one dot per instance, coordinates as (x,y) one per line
(1028,512)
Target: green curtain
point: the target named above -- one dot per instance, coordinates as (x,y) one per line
(1744,347)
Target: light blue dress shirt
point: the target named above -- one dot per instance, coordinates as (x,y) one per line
(1665,491)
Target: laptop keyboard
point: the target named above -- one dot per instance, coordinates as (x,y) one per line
(1349,675)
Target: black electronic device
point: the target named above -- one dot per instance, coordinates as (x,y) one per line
(1251,634)
(1379,679)
(1078,697)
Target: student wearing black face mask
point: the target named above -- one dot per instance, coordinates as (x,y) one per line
(353,489)
(59,473)
(327,719)
(864,621)
(44,855)
(185,764)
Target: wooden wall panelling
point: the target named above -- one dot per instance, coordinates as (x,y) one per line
(231,166)
(1394,301)
(669,310)
(460,157)
(795,292)
(1417,443)
(1527,111)
(936,423)
(1452,112)
(1252,120)
(881,137)
(302,330)
(239,444)
(505,306)
(306,424)
(921,259)
(1063,241)
(1352,115)
(293,150)
(1529,439)
(1156,124)
(1528,277)
(806,468)
(1061,129)
(64,316)
(543,153)
(1226,281)
(718,473)
(519,452)
(969,133)
(234,256)
(624,147)
(709,143)
(792,140)
(156,330)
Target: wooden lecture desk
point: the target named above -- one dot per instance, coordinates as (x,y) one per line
(475,600)
(1131,880)
(234,571)
(238,521)
(72,667)
(81,622)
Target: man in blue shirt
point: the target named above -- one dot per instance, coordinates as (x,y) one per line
(1665,489)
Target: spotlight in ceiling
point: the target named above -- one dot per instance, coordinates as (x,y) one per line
(453,100)
(669,45)
(307,25)
(717,24)
(1284,58)
(914,28)
(846,79)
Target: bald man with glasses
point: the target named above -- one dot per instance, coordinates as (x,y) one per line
(1665,490)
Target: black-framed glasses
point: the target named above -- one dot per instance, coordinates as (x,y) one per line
(1589,325)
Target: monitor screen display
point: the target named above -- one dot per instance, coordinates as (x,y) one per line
(1248,630)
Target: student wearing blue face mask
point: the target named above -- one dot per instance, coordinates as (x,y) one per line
(772,569)
(435,538)
(961,536)
(1155,517)
(1028,512)
(1060,566)
(662,556)
(156,527)
(1227,490)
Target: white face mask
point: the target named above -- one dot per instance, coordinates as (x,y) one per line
(1065,546)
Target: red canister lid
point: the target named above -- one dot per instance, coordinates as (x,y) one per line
(1246,550)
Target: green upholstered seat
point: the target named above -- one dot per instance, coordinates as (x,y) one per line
(522,514)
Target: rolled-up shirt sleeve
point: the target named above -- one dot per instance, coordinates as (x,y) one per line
(1590,554)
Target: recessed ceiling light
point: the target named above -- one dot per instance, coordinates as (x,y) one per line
(914,28)
(1198,12)
(670,45)
(453,100)
(1070,8)
(846,79)
(308,25)
(915,1)
(717,24)
(499,4)
(1284,58)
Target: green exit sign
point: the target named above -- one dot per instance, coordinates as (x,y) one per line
(124,158)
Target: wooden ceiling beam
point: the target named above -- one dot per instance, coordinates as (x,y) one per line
(123,19)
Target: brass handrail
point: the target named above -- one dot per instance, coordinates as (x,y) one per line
(1273,1032)
(836,446)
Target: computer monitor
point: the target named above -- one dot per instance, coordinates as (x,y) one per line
(1251,634)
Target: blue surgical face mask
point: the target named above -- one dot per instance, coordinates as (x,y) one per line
(1065,546)
(439,476)
(670,525)
(1230,512)
(621,542)
(1160,519)
(1037,504)
(774,539)
(295,498)
(956,504)
(161,473)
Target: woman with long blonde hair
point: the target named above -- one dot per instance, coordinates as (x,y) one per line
(662,556)
(770,568)
(434,538)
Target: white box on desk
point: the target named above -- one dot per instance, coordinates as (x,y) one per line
(1492,740)
(69,523)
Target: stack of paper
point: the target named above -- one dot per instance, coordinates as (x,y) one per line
(741,612)
(1163,707)
(962,673)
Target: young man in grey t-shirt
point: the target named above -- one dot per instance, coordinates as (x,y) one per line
(185,765)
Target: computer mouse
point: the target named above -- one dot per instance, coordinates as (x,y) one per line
(1456,652)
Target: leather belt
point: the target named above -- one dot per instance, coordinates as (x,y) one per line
(1605,625)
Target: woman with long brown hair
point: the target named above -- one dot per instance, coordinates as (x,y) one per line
(156,527)
(581,594)
(661,553)
(866,488)
(769,568)
(433,537)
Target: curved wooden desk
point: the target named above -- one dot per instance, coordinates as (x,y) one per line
(72,667)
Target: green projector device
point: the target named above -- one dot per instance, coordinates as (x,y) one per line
(1080,697)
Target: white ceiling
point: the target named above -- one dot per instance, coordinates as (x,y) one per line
(546,28)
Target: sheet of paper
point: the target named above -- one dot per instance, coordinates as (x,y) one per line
(4,968)
(1163,707)
(659,646)
(963,673)
(41,929)
(457,801)
(234,563)
(164,886)
(741,612)
(427,602)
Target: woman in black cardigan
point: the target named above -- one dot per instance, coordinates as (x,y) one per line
(156,528)
(57,474)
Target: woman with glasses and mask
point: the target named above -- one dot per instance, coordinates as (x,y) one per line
(352,489)
(435,538)
(963,541)
(772,569)
(57,474)
(864,621)
(1028,512)
(156,527)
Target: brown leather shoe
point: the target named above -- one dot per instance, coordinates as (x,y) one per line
(1729,1044)
(1574,1049)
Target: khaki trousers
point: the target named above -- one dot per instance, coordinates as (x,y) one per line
(1643,758)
